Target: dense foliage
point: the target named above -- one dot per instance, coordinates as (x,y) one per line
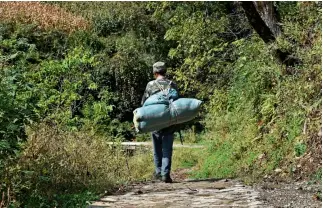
(73,80)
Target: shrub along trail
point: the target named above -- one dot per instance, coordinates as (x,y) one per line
(211,193)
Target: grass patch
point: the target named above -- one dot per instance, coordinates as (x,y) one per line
(300,149)
(185,157)
(67,169)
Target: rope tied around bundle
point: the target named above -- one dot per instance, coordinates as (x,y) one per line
(172,107)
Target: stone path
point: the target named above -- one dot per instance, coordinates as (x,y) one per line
(191,193)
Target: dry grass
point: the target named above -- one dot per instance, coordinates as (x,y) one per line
(77,160)
(57,162)
(45,16)
(72,159)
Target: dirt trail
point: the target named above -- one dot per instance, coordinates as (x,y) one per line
(205,193)
(212,193)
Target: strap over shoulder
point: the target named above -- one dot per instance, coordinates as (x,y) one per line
(165,91)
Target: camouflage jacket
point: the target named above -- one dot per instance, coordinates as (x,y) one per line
(153,88)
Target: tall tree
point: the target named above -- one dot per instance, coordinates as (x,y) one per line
(263,17)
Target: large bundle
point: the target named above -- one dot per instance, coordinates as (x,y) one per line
(158,116)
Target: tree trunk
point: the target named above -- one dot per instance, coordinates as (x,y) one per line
(263,18)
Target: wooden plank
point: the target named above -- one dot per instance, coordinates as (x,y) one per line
(149,144)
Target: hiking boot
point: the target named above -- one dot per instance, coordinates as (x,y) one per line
(167,179)
(157,176)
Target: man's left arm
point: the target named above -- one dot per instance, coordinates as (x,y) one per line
(174,85)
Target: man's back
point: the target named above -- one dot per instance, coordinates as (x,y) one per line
(153,87)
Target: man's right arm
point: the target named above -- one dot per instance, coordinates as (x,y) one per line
(146,95)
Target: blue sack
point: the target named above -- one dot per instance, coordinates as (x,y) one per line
(159,116)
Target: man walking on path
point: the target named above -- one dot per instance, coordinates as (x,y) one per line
(162,139)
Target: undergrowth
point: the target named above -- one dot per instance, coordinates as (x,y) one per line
(67,169)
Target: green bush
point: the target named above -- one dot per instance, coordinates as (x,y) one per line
(265,111)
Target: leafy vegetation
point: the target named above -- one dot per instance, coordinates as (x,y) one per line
(71,78)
